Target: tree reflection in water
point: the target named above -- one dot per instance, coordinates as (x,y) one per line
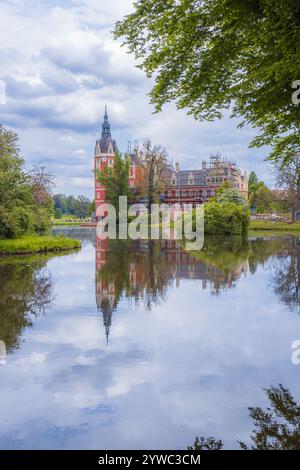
(142,270)
(276,428)
(26,289)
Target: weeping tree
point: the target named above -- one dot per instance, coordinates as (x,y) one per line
(211,55)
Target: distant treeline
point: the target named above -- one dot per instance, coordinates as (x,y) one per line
(80,206)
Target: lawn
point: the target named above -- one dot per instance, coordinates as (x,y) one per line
(270,225)
(35,244)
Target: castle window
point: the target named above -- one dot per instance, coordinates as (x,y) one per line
(191,193)
(110,162)
(191,179)
(169,194)
(183,193)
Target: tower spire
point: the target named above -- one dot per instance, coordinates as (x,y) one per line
(105,125)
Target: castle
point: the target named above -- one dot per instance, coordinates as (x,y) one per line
(181,186)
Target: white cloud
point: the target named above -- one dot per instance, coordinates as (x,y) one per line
(61,65)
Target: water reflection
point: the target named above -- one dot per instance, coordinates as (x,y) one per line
(275,428)
(193,338)
(143,270)
(26,289)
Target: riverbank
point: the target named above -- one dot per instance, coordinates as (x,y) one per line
(35,244)
(68,224)
(273,226)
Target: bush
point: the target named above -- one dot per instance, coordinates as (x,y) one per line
(224,219)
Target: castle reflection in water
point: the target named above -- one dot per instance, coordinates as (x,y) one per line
(144,270)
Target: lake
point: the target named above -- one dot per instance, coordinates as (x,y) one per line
(140,345)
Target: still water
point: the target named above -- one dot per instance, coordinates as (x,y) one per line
(142,345)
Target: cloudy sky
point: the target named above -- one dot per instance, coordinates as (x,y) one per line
(60,66)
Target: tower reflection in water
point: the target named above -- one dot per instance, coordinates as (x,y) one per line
(144,270)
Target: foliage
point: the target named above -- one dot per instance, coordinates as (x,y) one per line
(153,161)
(26,290)
(253,179)
(80,206)
(211,55)
(225,218)
(115,180)
(58,213)
(34,244)
(231,195)
(288,180)
(205,443)
(261,198)
(277,428)
(25,200)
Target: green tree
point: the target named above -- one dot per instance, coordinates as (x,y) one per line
(262,199)
(25,200)
(212,55)
(253,179)
(115,180)
(231,195)
(277,427)
(58,213)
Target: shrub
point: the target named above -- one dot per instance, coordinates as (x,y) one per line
(225,218)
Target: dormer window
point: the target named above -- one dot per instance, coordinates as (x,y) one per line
(191,179)
(174,180)
(110,149)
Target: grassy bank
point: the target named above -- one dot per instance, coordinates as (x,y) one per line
(63,222)
(35,244)
(273,226)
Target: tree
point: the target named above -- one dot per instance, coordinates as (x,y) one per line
(277,428)
(22,207)
(115,180)
(212,55)
(60,202)
(231,195)
(262,199)
(253,179)
(288,180)
(58,213)
(207,443)
(153,160)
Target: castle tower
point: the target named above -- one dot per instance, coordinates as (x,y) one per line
(105,150)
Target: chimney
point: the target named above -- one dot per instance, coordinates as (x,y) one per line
(177,168)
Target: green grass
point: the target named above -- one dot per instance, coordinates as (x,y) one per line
(35,244)
(269,225)
(63,222)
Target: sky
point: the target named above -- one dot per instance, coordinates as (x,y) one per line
(60,66)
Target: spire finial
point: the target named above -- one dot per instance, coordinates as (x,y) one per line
(105,124)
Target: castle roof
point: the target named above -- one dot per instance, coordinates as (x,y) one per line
(105,142)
